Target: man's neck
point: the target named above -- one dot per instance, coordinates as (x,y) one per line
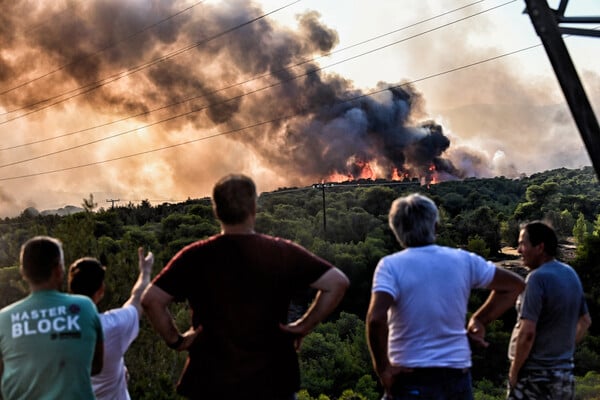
(543,260)
(43,287)
(237,229)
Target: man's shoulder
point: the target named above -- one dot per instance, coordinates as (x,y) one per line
(552,268)
(126,309)
(12,306)
(79,299)
(120,314)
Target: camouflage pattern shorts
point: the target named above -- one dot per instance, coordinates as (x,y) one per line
(547,384)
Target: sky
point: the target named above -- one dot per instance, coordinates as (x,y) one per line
(157,100)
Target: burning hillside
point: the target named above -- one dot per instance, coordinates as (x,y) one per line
(244,90)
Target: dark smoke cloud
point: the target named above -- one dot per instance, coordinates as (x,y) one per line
(333,128)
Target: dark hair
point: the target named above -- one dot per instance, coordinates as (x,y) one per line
(86,276)
(39,256)
(234,199)
(412,218)
(540,232)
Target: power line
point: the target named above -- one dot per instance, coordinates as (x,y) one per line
(109,46)
(263,122)
(246,94)
(113,78)
(286,68)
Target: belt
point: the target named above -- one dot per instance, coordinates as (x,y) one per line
(437,371)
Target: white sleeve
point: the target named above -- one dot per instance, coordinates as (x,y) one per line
(482,271)
(383,279)
(122,325)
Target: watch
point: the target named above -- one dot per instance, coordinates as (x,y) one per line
(175,345)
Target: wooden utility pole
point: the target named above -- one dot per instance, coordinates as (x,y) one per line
(546,23)
(322,187)
(112,201)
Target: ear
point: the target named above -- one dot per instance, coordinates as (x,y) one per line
(99,295)
(542,247)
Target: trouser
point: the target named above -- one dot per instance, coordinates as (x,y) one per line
(544,384)
(433,384)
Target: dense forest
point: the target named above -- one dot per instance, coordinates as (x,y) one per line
(347,225)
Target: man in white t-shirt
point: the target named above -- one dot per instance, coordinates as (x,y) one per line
(416,320)
(120,325)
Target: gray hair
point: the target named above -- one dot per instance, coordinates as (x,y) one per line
(413,219)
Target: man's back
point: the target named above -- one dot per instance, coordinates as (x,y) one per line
(431,287)
(239,288)
(47,342)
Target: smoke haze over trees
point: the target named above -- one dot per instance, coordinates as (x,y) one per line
(198,90)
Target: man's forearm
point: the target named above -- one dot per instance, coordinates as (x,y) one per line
(331,288)
(505,288)
(142,282)
(137,290)
(155,303)
(525,339)
(377,340)
(583,324)
(323,305)
(161,320)
(496,304)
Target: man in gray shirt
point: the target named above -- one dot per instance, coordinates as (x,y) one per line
(552,318)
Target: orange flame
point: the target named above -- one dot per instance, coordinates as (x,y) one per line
(366,172)
(337,177)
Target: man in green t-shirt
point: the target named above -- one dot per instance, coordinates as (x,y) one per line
(50,342)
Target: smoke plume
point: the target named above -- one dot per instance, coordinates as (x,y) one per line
(244,96)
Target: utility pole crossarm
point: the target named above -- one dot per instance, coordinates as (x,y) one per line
(112,201)
(545,22)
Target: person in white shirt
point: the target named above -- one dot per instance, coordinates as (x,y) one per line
(416,319)
(120,325)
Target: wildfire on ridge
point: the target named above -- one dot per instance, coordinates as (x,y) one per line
(363,170)
(433,177)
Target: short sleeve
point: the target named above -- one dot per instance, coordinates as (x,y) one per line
(383,279)
(124,321)
(531,305)
(305,267)
(482,271)
(172,277)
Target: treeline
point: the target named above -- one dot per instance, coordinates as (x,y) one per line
(347,225)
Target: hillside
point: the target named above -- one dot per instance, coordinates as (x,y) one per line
(347,225)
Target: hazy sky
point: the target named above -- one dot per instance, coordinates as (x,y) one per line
(158,99)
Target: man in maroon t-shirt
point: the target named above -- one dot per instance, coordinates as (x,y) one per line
(239,285)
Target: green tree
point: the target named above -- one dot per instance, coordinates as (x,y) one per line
(477,245)
(596,229)
(88,204)
(486,390)
(580,230)
(565,223)
(334,357)
(377,200)
(454,203)
(350,394)
(76,232)
(588,386)
(482,222)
